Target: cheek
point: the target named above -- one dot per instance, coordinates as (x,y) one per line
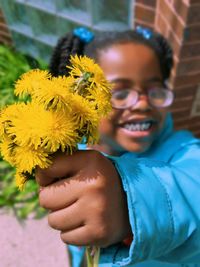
(108,125)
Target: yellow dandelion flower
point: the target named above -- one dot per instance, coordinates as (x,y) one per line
(27,158)
(30,81)
(102,101)
(87,71)
(7,150)
(60,133)
(20,180)
(92,133)
(54,93)
(83,111)
(6,118)
(39,127)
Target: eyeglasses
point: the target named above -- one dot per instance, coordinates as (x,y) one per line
(157,97)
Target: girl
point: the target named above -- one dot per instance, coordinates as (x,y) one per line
(143,185)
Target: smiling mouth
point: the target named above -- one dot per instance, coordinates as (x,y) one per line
(142,126)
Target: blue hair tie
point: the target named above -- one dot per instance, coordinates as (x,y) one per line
(146,33)
(83,34)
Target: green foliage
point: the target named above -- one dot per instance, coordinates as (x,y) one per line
(12,65)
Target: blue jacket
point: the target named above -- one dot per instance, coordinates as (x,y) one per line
(163,192)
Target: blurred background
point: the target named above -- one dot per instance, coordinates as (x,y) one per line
(29,29)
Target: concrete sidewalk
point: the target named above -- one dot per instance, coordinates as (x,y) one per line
(31,244)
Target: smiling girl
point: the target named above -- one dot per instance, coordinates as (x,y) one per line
(145,186)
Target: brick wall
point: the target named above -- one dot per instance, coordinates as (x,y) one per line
(179,22)
(5,37)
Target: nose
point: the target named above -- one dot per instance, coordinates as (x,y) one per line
(142,103)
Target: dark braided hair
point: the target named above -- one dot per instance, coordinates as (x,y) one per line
(70,45)
(66,46)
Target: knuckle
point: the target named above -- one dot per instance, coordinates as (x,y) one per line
(42,201)
(102,235)
(52,221)
(63,237)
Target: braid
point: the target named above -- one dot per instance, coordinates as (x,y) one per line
(55,57)
(67,46)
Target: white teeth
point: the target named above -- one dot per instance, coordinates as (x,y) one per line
(143,126)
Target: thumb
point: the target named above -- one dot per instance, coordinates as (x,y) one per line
(57,170)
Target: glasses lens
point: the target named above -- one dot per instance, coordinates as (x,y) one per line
(124,98)
(160,97)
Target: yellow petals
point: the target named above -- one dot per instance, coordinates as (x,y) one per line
(20,180)
(60,113)
(84,111)
(54,93)
(27,158)
(30,81)
(7,151)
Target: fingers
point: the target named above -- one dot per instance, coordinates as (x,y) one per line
(59,168)
(63,166)
(66,219)
(79,237)
(86,235)
(59,195)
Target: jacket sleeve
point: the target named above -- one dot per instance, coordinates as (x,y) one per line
(164,207)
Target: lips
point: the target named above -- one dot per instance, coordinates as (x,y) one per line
(138,128)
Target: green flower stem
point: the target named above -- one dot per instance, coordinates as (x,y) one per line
(92,255)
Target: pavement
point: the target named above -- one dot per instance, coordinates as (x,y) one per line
(30,244)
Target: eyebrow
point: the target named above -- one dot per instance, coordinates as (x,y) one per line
(125,80)
(120,80)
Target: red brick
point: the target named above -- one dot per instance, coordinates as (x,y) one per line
(181,124)
(5,34)
(185,91)
(175,43)
(194,2)
(195,126)
(180,110)
(194,129)
(188,66)
(2,20)
(3,27)
(194,15)
(181,9)
(171,17)
(182,103)
(5,41)
(188,120)
(186,80)
(144,14)
(151,3)
(180,113)
(192,33)
(190,50)
(143,24)
(161,25)
(196,134)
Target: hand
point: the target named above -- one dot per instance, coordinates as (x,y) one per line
(85,197)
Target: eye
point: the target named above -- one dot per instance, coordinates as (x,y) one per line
(120,94)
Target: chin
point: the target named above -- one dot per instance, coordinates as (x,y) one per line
(136,147)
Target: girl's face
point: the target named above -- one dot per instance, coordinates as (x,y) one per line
(131,66)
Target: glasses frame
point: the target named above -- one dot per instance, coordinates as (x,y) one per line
(133,103)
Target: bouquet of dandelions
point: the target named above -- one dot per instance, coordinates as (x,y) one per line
(53,113)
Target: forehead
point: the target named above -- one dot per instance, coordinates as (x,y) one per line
(135,60)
